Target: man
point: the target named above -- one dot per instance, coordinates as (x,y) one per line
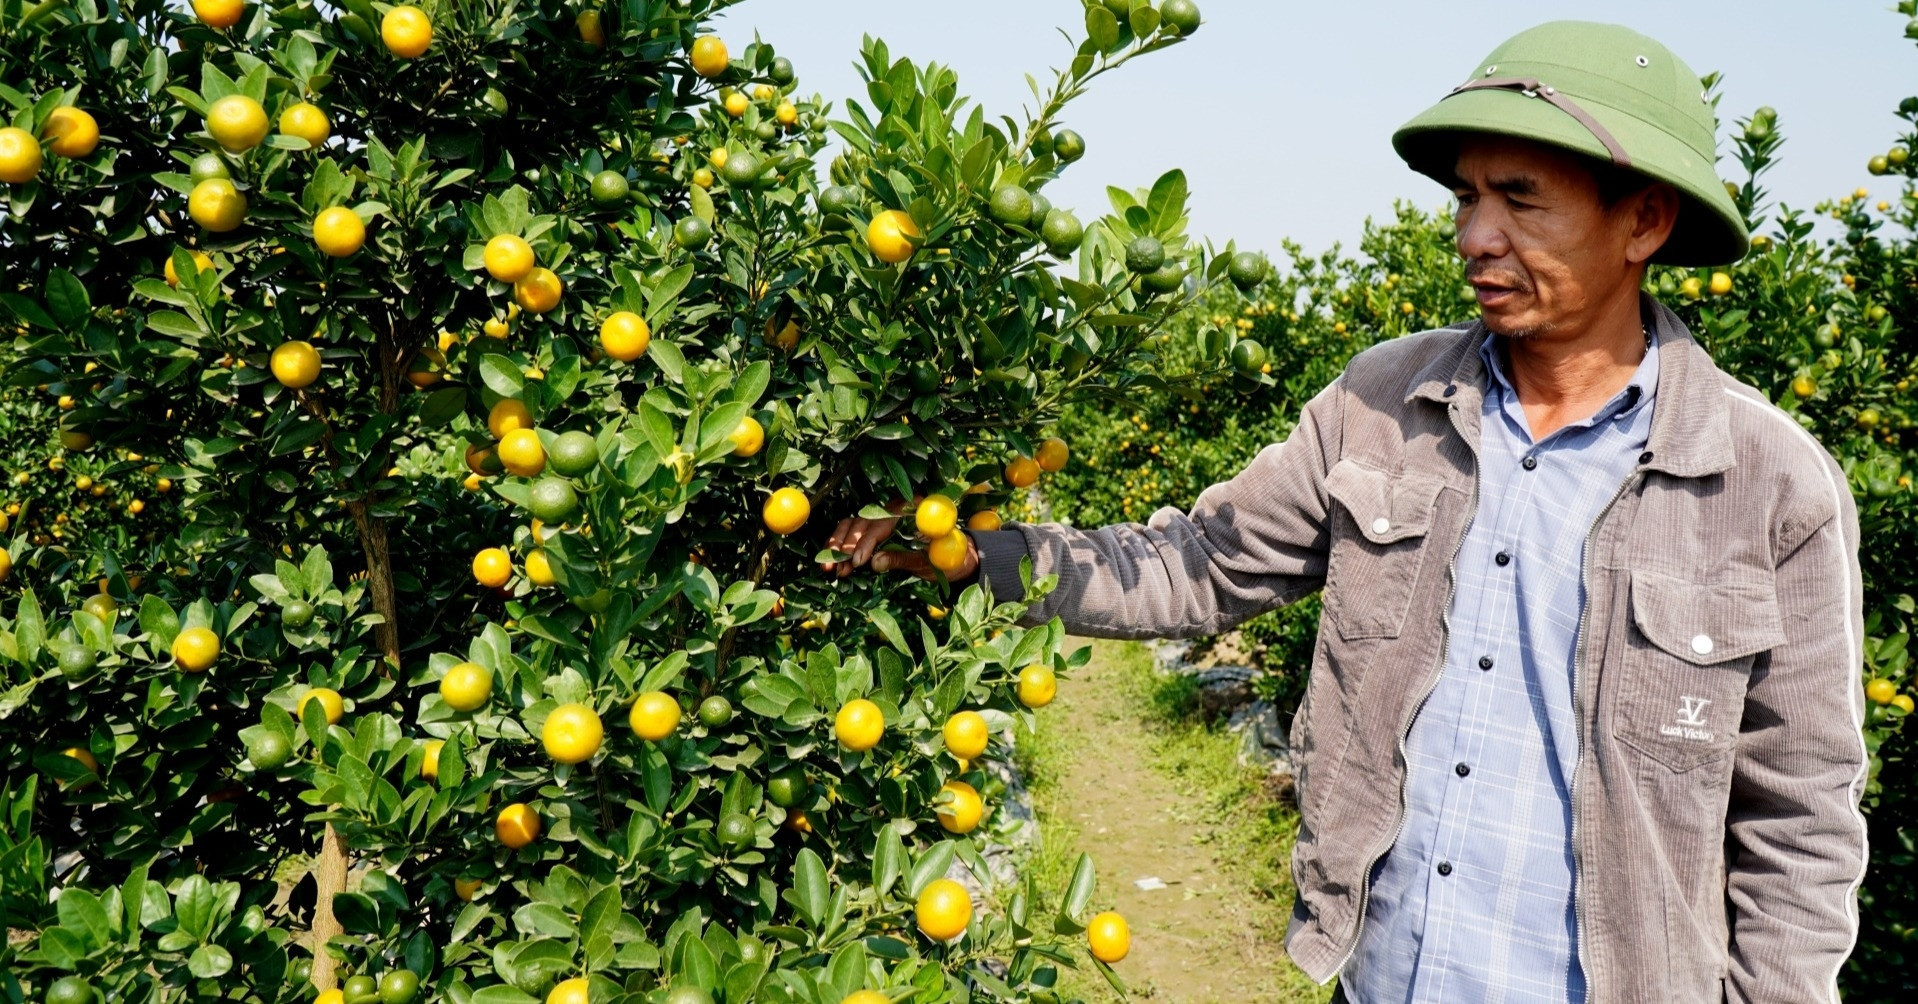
(1583,722)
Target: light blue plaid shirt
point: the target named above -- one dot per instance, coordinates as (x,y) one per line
(1474,900)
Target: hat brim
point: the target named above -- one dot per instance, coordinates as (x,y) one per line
(1709,231)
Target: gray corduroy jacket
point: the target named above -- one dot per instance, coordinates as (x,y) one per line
(1718,853)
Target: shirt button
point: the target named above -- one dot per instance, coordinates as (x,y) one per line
(1381,525)
(1485,662)
(1451,389)
(1502,558)
(1445,868)
(1463,769)
(1529,463)
(1702,644)
(1645,458)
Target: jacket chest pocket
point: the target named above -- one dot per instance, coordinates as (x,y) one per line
(1380,525)
(1687,664)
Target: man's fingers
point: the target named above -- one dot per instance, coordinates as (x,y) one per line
(879,530)
(910,562)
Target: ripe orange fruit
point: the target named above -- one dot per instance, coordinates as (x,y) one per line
(71,132)
(218,13)
(703,177)
(1804,386)
(539,569)
(944,910)
(295,364)
(891,236)
(572,733)
(307,121)
(406,31)
(201,262)
(539,291)
(1881,690)
(195,649)
(736,104)
(859,725)
(6,564)
(339,231)
(709,57)
(1051,455)
(424,370)
(1692,288)
(466,888)
(949,553)
(655,715)
(964,808)
(1022,472)
(1037,686)
(19,156)
(866,997)
(1109,937)
(508,258)
(430,762)
(984,519)
(492,567)
(237,123)
(935,517)
(786,510)
(215,204)
(718,157)
(624,335)
(967,734)
(509,414)
(330,704)
(1904,703)
(748,437)
(786,113)
(85,757)
(466,686)
(517,825)
(573,991)
(522,454)
(593,32)
(1721,284)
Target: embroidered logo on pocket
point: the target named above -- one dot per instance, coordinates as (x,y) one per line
(1691,721)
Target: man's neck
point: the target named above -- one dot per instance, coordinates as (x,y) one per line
(1565,377)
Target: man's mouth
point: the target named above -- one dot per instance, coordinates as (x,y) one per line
(1491,292)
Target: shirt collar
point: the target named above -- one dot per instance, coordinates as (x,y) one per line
(1636,395)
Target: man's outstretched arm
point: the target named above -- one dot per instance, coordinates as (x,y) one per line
(1248,545)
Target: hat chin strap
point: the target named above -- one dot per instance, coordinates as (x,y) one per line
(1531,88)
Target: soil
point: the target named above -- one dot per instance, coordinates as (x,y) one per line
(1200,938)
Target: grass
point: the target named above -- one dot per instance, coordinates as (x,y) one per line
(1248,829)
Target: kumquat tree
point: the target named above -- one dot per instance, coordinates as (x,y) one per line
(421,429)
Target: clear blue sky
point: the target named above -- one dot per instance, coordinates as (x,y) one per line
(1281,113)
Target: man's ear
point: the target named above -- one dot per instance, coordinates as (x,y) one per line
(1653,213)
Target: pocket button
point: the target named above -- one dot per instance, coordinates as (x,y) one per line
(1381,525)
(1702,644)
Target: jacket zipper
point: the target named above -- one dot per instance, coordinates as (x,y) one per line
(1431,684)
(1578,716)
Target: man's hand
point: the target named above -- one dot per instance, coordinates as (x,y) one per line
(861,538)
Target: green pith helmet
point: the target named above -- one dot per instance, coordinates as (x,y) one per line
(1606,92)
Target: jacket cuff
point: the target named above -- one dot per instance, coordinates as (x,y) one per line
(1000,552)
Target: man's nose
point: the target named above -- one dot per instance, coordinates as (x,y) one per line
(1481,234)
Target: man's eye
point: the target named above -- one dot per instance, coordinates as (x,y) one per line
(1464,198)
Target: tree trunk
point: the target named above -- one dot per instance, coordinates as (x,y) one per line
(379,580)
(329,878)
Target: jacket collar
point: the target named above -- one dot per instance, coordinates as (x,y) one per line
(1691,423)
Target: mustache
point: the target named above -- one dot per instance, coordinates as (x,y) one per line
(1486,272)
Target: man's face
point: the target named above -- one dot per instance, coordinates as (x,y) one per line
(1541,251)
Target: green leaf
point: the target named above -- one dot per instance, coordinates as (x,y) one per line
(1166,203)
(193,906)
(888,858)
(501,375)
(811,888)
(702,204)
(67,299)
(1102,27)
(501,994)
(80,911)
(1072,909)
(936,861)
(170,322)
(209,961)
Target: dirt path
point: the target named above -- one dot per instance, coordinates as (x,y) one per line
(1206,936)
